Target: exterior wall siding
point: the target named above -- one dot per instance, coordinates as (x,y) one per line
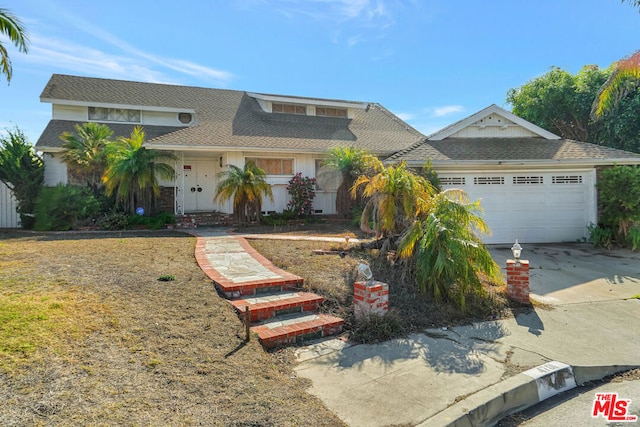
(55,170)
(9,218)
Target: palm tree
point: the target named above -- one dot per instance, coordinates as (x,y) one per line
(396,196)
(624,80)
(246,186)
(350,163)
(444,252)
(11,27)
(85,151)
(133,171)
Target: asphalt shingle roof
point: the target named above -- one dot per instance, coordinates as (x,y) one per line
(232,119)
(525,149)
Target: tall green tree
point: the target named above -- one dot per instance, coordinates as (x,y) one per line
(350,163)
(559,101)
(12,28)
(246,186)
(85,152)
(132,172)
(444,251)
(22,170)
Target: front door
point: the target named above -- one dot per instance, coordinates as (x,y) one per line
(200,185)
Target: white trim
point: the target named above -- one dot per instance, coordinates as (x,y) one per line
(492,109)
(308,101)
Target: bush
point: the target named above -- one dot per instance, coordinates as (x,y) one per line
(633,238)
(302,192)
(599,236)
(278,218)
(619,198)
(59,208)
(114,221)
(373,328)
(155,222)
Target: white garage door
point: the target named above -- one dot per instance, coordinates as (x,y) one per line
(532,206)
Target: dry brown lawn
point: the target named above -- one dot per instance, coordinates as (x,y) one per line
(89,336)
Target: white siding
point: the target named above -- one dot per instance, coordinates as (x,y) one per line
(493,126)
(9,218)
(69,112)
(303,163)
(160,118)
(55,170)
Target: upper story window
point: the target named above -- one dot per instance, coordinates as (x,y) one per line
(331,112)
(289,108)
(114,114)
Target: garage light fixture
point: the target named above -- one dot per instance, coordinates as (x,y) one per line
(516,249)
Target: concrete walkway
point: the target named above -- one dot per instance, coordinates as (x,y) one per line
(455,376)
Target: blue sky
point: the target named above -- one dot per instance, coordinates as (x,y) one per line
(432,62)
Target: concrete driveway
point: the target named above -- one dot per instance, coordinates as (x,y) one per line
(576,272)
(413,380)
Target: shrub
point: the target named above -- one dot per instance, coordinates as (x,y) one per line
(302,192)
(600,237)
(59,208)
(619,197)
(114,221)
(633,238)
(155,222)
(373,328)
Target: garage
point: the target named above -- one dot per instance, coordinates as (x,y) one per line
(534,186)
(532,206)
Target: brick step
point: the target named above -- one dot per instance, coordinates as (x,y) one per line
(259,287)
(296,328)
(262,307)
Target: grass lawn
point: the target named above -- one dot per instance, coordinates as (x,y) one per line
(90,336)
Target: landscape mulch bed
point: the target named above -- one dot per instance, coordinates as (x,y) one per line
(137,351)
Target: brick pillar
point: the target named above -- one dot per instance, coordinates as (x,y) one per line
(370,298)
(518,280)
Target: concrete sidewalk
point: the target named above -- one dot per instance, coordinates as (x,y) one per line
(410,381)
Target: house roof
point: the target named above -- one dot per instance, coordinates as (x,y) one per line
(231,119)
(492,150)
(492,109)
(56,127)
(462,145)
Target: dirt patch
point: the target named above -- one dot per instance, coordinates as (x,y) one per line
(147,352)
(332,276)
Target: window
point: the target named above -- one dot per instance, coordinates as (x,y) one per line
(488,180)
(114,114)
(289,108)
(452,180)
(331,112)
(519,180)
(567,179)
(273,166)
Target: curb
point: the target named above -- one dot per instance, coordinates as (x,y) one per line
(488,406)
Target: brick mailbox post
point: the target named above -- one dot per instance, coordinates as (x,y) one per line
(518,280)
(370,297)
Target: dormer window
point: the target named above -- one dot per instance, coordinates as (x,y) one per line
(114,114)
(289,108)
(331,112)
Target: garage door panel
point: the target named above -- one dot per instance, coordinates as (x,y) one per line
(548,209)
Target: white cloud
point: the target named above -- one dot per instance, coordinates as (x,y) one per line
(127,61)
(354,16)
(446,110)
(405,116)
